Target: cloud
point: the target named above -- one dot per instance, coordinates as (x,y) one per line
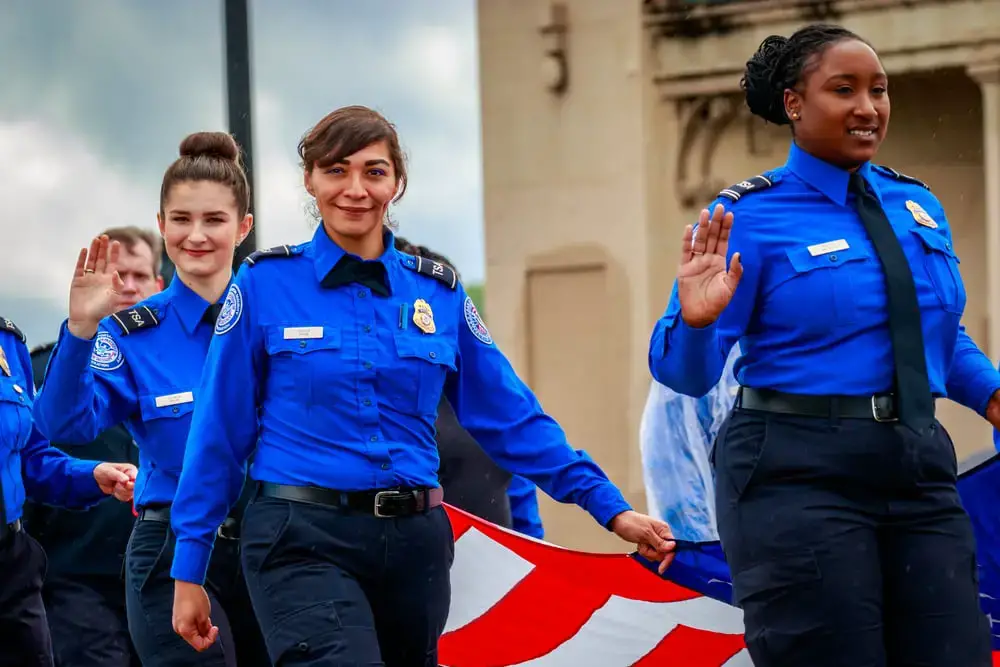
(56,193)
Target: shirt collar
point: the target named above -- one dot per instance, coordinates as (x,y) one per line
(189,306)
(825,177)
(326,253)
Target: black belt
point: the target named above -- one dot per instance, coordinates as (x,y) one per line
(386,503)
(229,530)
(878,407)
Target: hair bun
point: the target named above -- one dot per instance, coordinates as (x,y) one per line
(210,144)
(763,80)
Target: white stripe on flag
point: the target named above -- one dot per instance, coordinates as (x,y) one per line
(741,659)
(623,631)
(483,573)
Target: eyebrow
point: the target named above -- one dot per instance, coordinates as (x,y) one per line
(854,77)
(369,163)
(181,212)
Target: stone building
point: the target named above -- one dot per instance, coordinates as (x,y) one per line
(608,124)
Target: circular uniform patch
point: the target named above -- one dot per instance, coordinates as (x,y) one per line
(107,356)
(232,308)
(476,325)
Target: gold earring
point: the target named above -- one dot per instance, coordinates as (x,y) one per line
(795,116)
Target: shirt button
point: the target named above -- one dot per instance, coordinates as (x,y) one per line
(367,401)
(433,355)
(374,438)
(368,328)
(362,294)
(302,344)
(385,466)
(176,410)
(368,365)
(833,258)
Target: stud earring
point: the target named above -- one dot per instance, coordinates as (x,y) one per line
(795,116)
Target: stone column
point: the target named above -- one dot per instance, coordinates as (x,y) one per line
(987,74)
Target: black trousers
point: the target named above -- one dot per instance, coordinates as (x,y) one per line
(24,630)
(848,544)
(86,616)
(150,602)
(332,587)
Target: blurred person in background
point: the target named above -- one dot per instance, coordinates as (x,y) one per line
(84,590)
(471,480)
(31,468)
(141,366)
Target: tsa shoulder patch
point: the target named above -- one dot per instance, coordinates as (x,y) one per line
(892,173)
(476,324)
(107,356)
(7,325)
(436,270)
(276,251)
(735,192)
(135,319)
(232,308)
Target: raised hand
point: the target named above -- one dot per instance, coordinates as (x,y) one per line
(96,289)
(704,285)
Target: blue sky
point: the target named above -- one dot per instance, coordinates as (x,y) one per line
(101,93)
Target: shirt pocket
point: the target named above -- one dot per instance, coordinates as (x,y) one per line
(161,412)
(423,363)
(15,413)
(941,266)
(819,291)
(295,362)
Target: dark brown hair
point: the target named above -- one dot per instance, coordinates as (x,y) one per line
(346,131)
(209,156)
(130,236)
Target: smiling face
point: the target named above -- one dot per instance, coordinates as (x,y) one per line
(840,110)
(201,227)
(354,193)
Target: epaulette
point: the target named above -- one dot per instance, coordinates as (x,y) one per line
(41,349)
(734,192)
(435,270)
(7,325)
(135,319)
(276,251)
(889,171)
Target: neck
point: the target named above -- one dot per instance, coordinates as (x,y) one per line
(369,246)
(210,288)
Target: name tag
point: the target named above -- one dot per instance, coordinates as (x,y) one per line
(829,246)
(301,333)
(174,399)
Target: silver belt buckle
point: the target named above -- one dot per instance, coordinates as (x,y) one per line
(379,495)
(876,415)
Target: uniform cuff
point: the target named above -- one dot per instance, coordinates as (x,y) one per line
(84,491)
(605,503)
(73,347)
(191,561)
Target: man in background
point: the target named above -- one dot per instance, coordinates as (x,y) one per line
(84,592)
(471,480)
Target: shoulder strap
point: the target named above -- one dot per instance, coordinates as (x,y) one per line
(135,319)
(889,171)
(436,270)
(734,192)
(276,251)
(7,325)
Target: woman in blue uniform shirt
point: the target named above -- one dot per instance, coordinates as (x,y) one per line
(141,366)
(31,468)
(836,498)
(329,360)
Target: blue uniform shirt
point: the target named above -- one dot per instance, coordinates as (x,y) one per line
(524,514)
(141,369)
(346,385)
(29,466)
(810,312)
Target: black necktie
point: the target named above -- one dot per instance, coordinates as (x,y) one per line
(913,393)
(211,314)
(349,269)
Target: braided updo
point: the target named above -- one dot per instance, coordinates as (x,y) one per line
(780,63)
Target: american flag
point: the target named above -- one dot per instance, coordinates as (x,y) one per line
(519,601)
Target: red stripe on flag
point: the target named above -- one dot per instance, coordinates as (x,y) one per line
(693,648)
(539,614)
(996,658)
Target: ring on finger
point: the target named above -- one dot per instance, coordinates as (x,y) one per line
(88,270)
(696,252)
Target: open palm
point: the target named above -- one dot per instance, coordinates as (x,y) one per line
(96,289)
(704,285)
